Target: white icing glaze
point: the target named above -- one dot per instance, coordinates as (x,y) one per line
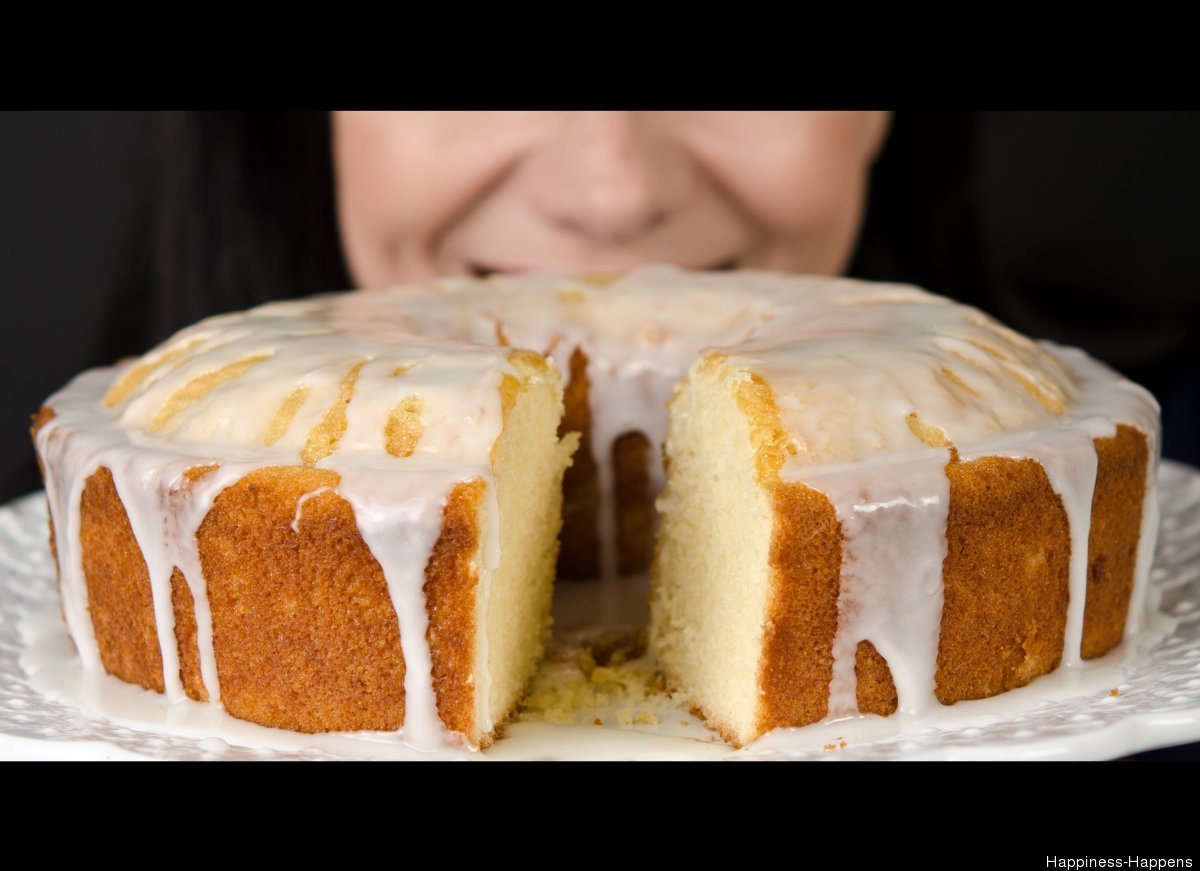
(856,370)
(891,585)
(398,525)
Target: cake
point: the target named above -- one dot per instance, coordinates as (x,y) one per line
(904,504)
(342,513)
(295,512)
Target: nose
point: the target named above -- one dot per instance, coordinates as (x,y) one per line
(609,177)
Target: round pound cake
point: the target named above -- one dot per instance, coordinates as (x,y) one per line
(343,513)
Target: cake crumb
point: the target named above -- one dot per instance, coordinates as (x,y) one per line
(587,661)
(830,747)
(597,722)
(602,674)
(1113,692)
(683,722)
(587,680)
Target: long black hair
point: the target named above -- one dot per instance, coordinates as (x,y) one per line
(922,220)
(235,209)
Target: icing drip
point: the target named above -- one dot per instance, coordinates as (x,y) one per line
(891,582)
(1070,464)
(1147,539)
(192,504)
(400,524)
(64,491)
(300,505)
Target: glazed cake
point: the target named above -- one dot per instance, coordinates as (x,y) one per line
(300,512)
(903,504)
(341,513)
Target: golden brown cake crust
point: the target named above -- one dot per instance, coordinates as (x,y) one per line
(184,607)
(118,587)
(1005,576)
(304,632)
(1005,584)
(806,562)
(451,584)
(1113,540)
(44,415)
(874,691)
(1005,579)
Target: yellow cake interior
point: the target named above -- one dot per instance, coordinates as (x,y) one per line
(528,460)
(709,604)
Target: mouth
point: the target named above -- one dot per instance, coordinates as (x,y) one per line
(484,270)
(479,269)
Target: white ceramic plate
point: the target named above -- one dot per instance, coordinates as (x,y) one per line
(1141,696)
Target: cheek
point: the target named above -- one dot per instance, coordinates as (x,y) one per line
(804,184)
(368,177)
(810,183)
(405,179)
(394,190)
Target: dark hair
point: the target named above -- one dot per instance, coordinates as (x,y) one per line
(235,208)
(922,220)
(238,208)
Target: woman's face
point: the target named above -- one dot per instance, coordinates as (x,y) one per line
(422,194)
